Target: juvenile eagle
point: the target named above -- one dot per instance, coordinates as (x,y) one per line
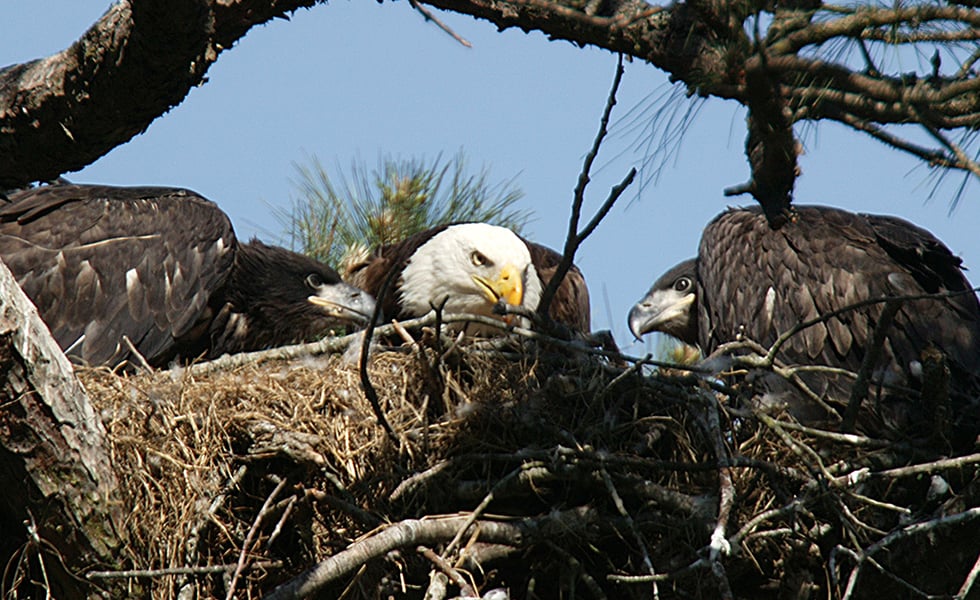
(159,270)
(752,281)
(472,266)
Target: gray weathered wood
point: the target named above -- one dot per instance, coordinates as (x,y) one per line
(55,473)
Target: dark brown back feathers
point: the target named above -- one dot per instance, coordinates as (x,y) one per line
(758,282)
(155,269)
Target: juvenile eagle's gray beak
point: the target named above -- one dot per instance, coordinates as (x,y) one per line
(660,310)
(345,303)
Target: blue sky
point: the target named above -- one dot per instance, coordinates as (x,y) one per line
(357,79)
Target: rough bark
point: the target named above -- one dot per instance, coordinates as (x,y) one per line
(56,477)
(63,112)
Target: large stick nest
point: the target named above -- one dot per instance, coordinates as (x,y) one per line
(538,472)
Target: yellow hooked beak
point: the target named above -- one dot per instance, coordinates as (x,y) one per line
(509,286)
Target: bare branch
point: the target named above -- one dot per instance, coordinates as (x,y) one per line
(369,391)
(905,532)
(251,536)
(621,509)
(411,533)
(859,391)
(963,161)
(969,581)
(465,589)
(431,17)
(575,237)
(180,571)
(928,155)
(863,18)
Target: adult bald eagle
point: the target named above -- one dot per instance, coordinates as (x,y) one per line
(752,281)
(472,266)
(159,270)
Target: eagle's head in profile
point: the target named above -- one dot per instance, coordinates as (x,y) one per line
(670,305)
(293,298)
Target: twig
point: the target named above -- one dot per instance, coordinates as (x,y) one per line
(251,536)
(726,497)
(431,17)
(403,333)
(413,481)
(965,162)
(478,511)
(465,589)
(798,448)
(194,537)
(621,509)
(290,504)
(931,467)
(347,505)
(850,439)
(587,579)
(144,364)
(369,392)
(971,577)
(575,237)
(859,391)
(901,510)
(905,532)
(929,155)
(635,368)
(588,458)
(340,344)
(784,511)
(698,564)
(415,532)
(770,356)
(438,582)
(967,66)
(899,580)
(38,545)
(204,570)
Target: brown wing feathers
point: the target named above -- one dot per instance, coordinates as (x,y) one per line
(570,305)
(827,259)
(371,274)
(96,279)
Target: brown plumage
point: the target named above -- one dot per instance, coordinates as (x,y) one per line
(752,281)
(160,269)
(569,307)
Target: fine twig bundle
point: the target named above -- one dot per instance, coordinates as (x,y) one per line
(527,467)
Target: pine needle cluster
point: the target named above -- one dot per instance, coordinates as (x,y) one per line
(336,215)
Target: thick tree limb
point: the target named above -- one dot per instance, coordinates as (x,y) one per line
(142,58)
(427,532)
(61,113)
(53,458)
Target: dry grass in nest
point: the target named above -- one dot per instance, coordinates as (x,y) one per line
(578,474)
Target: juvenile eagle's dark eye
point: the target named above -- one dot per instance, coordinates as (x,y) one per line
(683,284)
(479,259)
(313,280)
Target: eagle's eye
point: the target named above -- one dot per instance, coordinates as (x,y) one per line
(480,260)
(313,280)
(683,284)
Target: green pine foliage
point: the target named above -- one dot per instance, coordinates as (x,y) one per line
(337,215)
